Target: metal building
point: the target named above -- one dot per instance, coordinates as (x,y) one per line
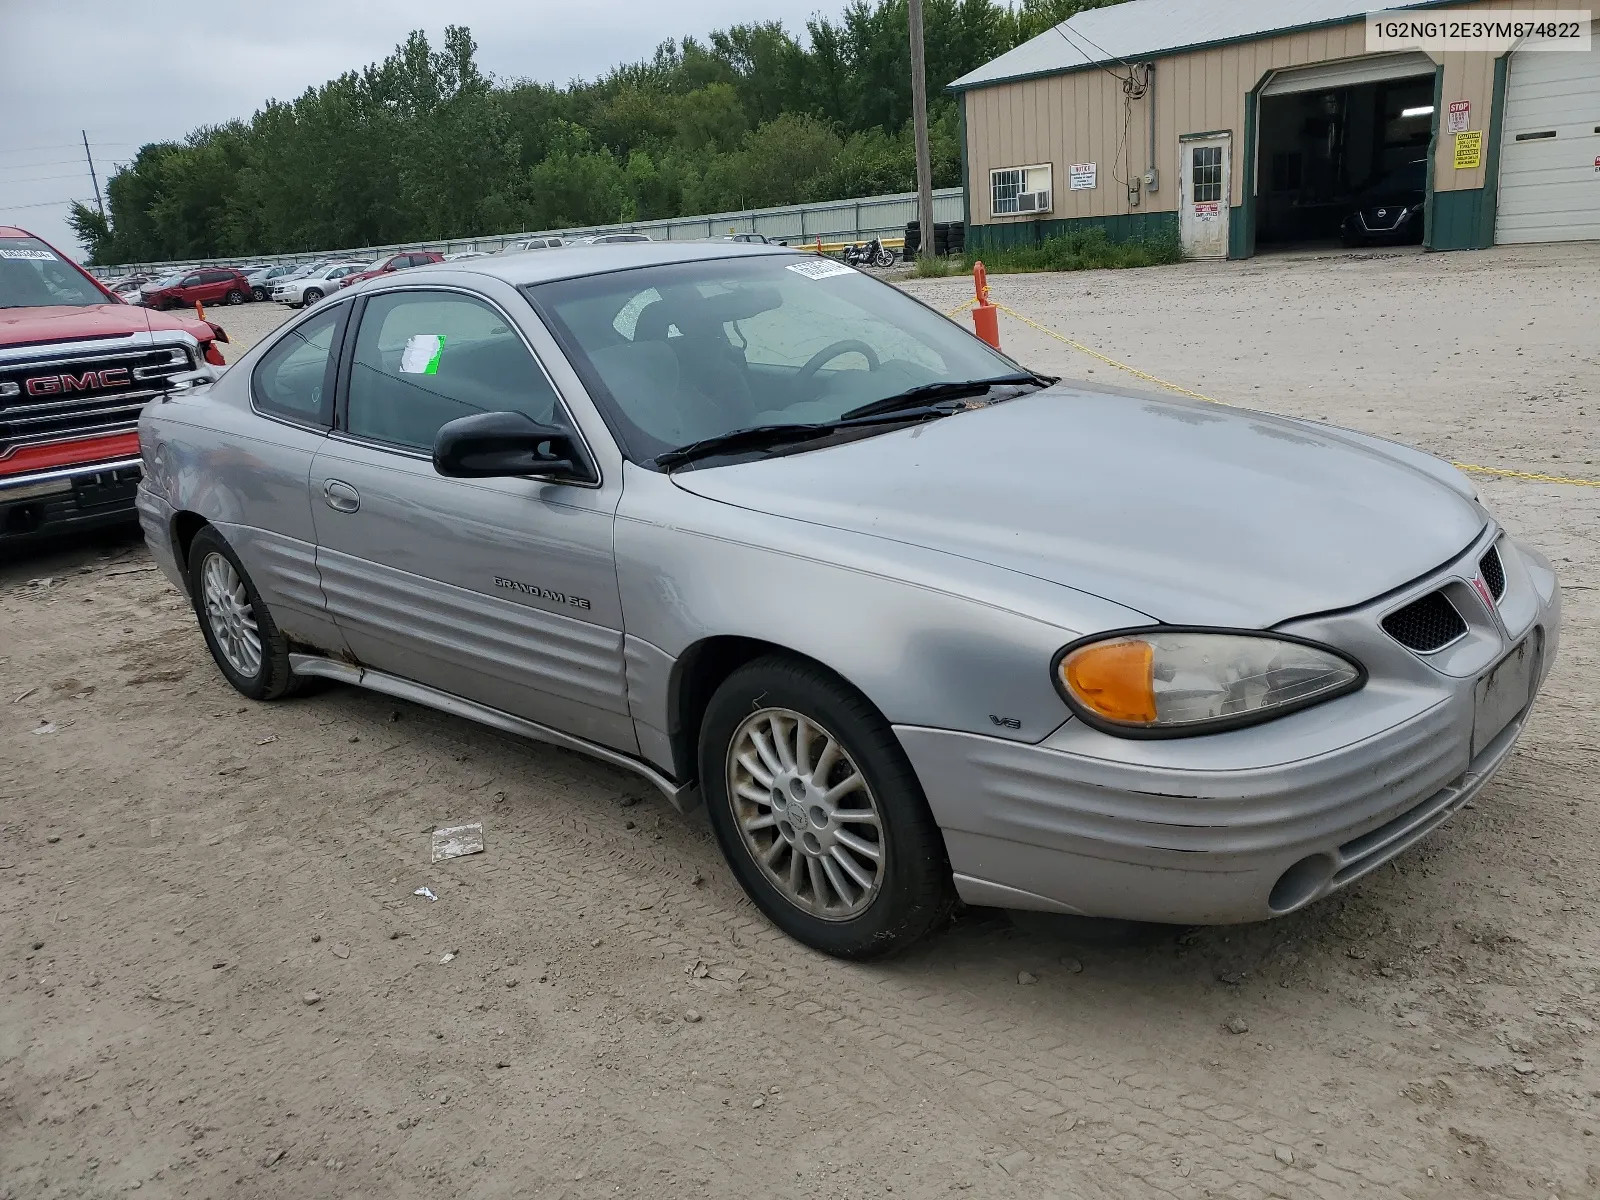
(1244,124)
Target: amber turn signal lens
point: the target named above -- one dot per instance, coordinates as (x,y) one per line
(1113,679)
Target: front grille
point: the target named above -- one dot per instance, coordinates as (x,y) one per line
(82,395)
(1426,625)
(1494,573)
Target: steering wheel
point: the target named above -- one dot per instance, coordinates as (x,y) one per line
(828,353)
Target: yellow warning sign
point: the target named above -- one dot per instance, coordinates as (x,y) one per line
(1469,149)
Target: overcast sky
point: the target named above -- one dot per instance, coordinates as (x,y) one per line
(137,71)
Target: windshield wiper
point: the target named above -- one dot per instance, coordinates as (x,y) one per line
(929,392)
(760,437)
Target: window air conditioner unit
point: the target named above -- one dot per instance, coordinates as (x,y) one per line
(1033,202)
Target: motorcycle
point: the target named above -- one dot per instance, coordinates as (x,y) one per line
(871,254)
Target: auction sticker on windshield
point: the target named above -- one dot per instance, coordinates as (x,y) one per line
(820,268)
(34,255)
(422,354)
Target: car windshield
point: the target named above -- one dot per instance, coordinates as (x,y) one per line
(1408,177)
(33,275)
(690,351)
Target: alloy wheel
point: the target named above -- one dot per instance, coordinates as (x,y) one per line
(806,813)
(230,615)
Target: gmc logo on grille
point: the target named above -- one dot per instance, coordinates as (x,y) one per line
(51,385)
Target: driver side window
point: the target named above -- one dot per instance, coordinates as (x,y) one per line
(423,358)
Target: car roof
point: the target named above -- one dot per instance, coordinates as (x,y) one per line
(522,267)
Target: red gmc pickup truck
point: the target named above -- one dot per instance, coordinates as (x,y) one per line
(77,365)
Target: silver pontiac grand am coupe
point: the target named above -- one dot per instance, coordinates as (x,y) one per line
(914,622)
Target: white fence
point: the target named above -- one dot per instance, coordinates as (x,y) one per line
(831,221)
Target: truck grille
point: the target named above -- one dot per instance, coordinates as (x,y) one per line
(84,395)
(1426,625)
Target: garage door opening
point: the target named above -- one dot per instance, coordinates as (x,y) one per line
(1344,159)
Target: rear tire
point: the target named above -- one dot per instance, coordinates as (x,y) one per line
(245,642)
(235,297)
(844,855)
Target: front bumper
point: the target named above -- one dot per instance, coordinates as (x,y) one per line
(155,518)
(65,500)
(1406,228)
(1238,826)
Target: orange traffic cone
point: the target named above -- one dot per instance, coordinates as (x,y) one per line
(199,310)
(985,317)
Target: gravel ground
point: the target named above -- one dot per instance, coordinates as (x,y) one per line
(217,980)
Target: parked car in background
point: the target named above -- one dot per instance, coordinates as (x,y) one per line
(128,288)
(782,540)
(757,239)
(296,290)
(534,243)
(261,280)
(1390,209)
(76,369)
(461,254)
(206,285)
(395,262)
(600,239)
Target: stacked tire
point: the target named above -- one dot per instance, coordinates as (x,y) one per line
(949,237)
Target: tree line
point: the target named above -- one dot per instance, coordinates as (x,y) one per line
(424,146)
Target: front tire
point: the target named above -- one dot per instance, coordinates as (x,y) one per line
(819,813)
(312,296)
(245,642)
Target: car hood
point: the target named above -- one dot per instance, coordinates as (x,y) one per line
(1190,513)
(30,326)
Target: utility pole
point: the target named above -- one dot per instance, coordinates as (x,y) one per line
(919,119)
(95,179)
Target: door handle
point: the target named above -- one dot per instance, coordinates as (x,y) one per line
(340,496)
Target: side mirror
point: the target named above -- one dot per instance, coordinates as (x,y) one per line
(500,444)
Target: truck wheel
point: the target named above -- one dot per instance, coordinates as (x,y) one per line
(235,297)
(819,812)
(244,640)
(312,296)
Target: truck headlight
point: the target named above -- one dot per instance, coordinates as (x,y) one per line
(1166,681)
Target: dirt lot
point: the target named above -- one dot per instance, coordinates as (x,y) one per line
(181,870)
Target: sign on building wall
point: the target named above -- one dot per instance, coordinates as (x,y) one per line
(1460,115)
(1469,150)
(1081,176)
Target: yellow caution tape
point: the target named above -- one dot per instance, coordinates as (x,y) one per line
(1498,472)
(1533,475)
(1121,366)
(956,312)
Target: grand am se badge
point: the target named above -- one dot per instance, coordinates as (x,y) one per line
(542,593)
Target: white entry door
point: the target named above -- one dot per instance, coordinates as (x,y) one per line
(1204,185)
(1550,147)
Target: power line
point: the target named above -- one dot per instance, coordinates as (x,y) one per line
(41,204)
(60,146)
(1080,34)
(41,178)
(54,162)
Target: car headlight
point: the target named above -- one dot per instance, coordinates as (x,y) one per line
(1165,681)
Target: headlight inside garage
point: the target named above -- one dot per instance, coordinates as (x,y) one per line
(1170,682)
